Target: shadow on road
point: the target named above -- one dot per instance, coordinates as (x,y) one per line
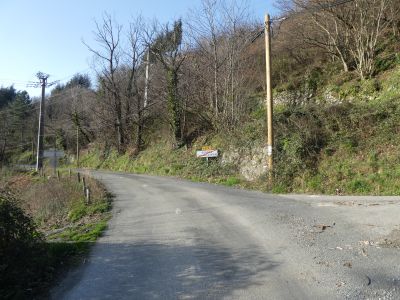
(156,271)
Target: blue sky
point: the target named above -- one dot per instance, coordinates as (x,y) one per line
(47,35)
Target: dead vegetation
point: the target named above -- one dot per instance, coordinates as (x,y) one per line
(60,215)
(392,240)
(50,201)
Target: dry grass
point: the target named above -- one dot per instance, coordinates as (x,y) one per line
(51,201)
(68,225)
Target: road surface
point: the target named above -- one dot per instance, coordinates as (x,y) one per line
(173,239)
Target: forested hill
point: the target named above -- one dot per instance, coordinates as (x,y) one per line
(164,90)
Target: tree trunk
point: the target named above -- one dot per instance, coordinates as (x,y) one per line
(139,126)
(139,132)
(3,150)
(174,107)
(120,136)
(118,124)
(216,81)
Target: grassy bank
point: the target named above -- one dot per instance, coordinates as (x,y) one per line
(348,146)
(158,159)
(58,227)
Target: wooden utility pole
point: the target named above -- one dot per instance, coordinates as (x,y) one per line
(55,155)
(270,137)
(43,84)
(77,145)
(39,155)
(146,85)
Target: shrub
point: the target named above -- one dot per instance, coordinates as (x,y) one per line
(21,250)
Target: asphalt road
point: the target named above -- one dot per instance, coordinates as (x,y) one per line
(173,239)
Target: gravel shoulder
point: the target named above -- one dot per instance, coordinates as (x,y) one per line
(173,239)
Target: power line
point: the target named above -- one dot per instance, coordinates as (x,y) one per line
(14,81)
(79,72)
(314,8)
(58,99)
(330,5)
(29,83)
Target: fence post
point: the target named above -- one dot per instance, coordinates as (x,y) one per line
(87,195)
(84,184)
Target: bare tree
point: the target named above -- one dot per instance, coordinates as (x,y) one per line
(367,28)
(237,32)
(350,30)
(137,60)
(220,34)
(205,31)
(108,37)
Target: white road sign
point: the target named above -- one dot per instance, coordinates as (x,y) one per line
(207,153)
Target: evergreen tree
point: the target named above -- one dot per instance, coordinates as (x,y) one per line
(166,49)
(7,94)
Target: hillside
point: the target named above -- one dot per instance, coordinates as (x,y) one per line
(164,91)
(344,143)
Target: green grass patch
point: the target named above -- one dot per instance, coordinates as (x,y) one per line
(82,233)
(231,181)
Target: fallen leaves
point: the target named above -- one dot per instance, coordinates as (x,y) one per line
(348,264)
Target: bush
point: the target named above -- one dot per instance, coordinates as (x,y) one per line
(300,137)
(21,250)
(16,228)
